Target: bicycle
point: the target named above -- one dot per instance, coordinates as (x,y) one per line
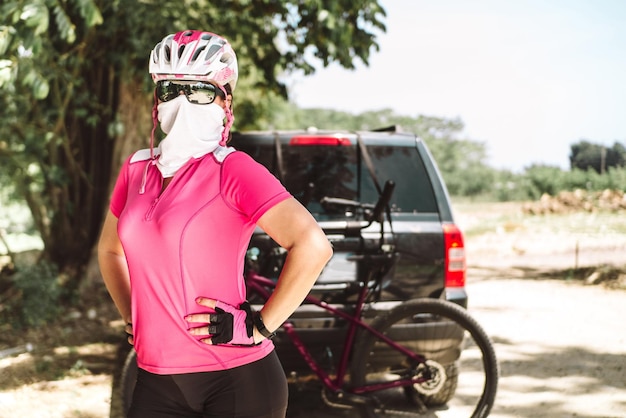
(424,357)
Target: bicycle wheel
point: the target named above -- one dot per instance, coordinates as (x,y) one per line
(461,371)
(128,380)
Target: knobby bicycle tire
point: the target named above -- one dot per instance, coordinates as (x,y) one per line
(442,332)
(128,381)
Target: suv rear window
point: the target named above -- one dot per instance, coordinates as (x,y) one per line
(311,172)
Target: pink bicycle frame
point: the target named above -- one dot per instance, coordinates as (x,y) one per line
(261,286)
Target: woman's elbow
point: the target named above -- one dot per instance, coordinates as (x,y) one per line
(322,247)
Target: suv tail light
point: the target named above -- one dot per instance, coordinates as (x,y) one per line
(455,265)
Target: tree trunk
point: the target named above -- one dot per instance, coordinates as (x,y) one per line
(134,115)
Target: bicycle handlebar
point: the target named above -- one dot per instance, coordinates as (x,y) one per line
(371,212)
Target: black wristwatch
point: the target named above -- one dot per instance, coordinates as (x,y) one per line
(258,323)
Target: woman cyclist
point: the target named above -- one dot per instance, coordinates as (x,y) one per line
(172,247)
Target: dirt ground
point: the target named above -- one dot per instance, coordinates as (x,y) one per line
(552,301)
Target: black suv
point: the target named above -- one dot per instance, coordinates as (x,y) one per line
(326,171)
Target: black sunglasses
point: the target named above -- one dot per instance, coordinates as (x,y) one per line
(196,92)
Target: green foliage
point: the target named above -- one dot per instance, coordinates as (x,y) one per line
(507,186)
(40,293)
(543,179)
(44,105)
(66,65)
(586,155)
(538,180)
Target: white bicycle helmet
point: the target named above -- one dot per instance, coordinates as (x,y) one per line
(194,55)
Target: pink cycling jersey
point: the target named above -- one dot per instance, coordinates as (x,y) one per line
(186,242)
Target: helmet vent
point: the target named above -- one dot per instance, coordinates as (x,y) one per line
(197,53)
(157,50)
(168,55)
(181,50)
(212,50)
(206,37)
(226,58)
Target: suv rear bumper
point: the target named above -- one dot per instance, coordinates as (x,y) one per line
(456,295)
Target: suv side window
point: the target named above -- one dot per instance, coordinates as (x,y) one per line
(402,164)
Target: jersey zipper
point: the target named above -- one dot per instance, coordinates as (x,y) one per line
(155,202)
(151,209)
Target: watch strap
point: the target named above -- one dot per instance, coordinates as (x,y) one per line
(258,323)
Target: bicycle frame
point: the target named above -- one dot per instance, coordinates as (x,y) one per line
(262,285)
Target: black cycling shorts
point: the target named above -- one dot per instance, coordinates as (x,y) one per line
(255,390)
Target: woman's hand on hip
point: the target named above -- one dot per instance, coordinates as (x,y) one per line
(227,325)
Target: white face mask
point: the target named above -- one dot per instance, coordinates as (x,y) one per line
(192,131)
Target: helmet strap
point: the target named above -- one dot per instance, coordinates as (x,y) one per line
(155,122)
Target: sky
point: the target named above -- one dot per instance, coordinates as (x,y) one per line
(528,78)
